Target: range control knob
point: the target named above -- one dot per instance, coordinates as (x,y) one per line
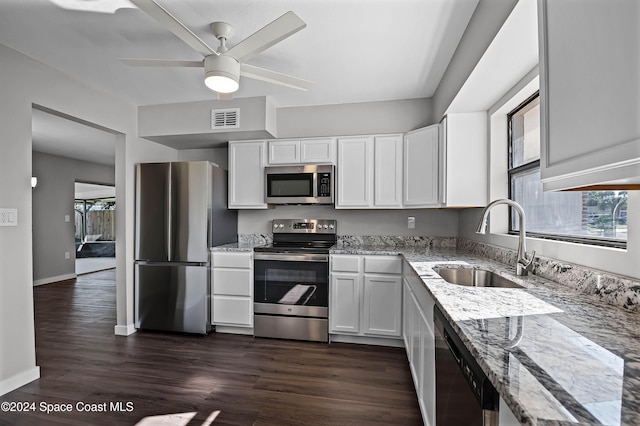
(325,226)
(281,226)
(331,226)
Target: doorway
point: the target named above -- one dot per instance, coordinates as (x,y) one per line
(94,227)
(66,151)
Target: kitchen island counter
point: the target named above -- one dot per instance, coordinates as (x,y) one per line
(555,355)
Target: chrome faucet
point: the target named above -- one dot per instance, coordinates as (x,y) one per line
(523,265)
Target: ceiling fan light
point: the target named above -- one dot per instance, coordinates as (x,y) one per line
(221,83)
(221,73)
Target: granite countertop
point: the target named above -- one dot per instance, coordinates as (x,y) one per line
(555,355)
(239,246)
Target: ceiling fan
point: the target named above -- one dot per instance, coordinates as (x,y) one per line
(223,66)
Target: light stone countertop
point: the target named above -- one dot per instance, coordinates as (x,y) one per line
(237,247)
(578,361)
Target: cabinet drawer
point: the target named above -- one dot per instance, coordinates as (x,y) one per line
(383,264)
(233,310)
(235,282)
(232,260)
(345,263)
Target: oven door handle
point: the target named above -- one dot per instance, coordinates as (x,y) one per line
(297,257)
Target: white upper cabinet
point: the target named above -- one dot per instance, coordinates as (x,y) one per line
(318,151)
(355,172)
(589,93)
(464,160)
(369,172)
(302,151)
(387,171)
(421,168)
(246,175)
(284,151)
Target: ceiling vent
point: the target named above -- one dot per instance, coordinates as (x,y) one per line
(225,118)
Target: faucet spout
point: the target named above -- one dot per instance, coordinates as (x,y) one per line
(523,264)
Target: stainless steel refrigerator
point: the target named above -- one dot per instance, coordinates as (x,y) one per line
(181,211)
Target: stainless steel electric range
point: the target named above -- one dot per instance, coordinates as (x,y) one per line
(291,280)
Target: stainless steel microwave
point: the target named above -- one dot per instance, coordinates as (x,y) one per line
(304,184)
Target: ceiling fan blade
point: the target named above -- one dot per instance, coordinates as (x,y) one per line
(269,76)
(161,63)
(267,36)
(167,20)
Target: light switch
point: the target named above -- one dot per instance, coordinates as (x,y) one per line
(67,255)
(67,218)
(8,217)
(411,222)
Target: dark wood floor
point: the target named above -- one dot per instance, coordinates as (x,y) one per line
(186,380)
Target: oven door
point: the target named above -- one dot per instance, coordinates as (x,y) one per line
(291,284)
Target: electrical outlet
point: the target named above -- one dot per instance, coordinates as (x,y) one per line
(411,222)
(8,217)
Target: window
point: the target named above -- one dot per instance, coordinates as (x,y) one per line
(591,217)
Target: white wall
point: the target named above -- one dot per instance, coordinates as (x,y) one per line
(354,119)
(53,199)
(485,23)
(215,155)
(24,82)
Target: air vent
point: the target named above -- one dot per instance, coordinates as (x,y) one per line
(225,118)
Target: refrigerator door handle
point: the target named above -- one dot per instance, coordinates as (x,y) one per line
(169,215)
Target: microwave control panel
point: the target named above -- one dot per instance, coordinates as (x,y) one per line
(324,184)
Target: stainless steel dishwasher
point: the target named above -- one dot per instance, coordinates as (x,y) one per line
(464,395)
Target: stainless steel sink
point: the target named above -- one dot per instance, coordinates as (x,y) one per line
(475,278)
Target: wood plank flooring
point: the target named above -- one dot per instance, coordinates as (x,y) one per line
(173,379)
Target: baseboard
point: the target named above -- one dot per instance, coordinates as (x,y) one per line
(366,340)
(124,330)
(18,380)
(234,330)
(54,279)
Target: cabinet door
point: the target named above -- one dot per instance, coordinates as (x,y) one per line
(344,309)
(589,92)
(284,152)
(317,151)
(231,281)
(407,309)
(233,310)
(421,168)
(246,175)
(355,172)
(416,344)
(465,172)
(382,305)
(427,380)
(387,171)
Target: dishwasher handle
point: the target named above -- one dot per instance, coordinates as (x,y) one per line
(452,347)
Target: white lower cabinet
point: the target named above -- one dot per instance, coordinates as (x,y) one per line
(382,298)
(232,289)
(344,315)
(366,296)
(418,334)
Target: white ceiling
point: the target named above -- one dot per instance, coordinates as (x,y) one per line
(88,191)
(353,50)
